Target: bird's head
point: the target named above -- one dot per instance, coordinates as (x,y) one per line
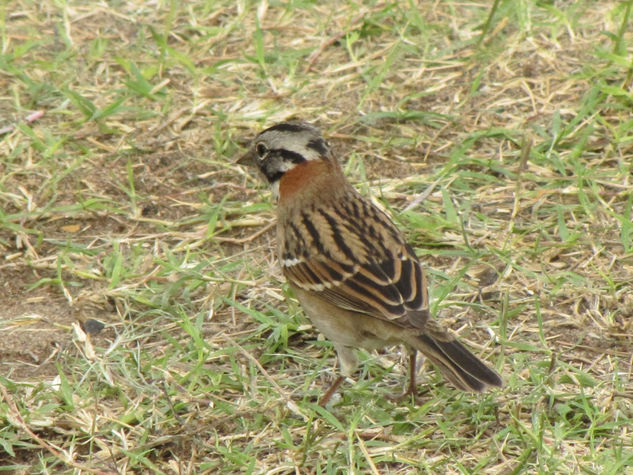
(282,147)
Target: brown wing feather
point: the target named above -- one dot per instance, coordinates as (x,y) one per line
(367,289)
(357,260)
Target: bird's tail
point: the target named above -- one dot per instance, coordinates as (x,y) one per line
(455,361)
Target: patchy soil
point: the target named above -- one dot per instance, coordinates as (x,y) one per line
(36,324)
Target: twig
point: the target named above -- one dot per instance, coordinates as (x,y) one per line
(424,195)
(246,239)
(289,403)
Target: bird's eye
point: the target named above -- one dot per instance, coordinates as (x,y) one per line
(261,150)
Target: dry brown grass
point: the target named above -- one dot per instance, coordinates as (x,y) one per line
(121,204)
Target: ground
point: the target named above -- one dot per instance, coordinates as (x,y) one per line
(499,138)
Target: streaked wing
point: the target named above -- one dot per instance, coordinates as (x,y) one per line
(393,289)
(352,254)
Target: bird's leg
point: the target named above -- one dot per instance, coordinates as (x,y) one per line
(331,390)
(412,389)
(412,373)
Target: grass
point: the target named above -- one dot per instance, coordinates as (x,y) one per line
(500,138)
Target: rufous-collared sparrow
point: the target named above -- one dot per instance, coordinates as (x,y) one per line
(357,278)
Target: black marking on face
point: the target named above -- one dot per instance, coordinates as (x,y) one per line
(274,164)
(290,156)
(272,176)
(318,145)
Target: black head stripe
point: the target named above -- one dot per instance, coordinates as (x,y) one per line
(285,127)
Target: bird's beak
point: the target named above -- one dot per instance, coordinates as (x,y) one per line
(248,159)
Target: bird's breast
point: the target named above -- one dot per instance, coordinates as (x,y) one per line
(307,180)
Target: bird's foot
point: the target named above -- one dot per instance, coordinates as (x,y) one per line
(331,391)
(412,393)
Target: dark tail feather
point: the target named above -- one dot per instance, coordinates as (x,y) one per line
(457,363)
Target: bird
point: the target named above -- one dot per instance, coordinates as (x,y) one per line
(355,275)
